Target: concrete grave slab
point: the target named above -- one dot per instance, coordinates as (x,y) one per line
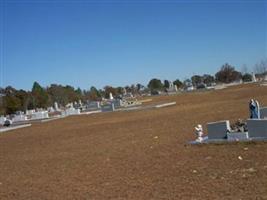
(93,105)
(108,108)
(237,136)
(5,129)
(39,115)
(72,111)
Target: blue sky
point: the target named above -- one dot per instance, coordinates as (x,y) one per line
(98,43)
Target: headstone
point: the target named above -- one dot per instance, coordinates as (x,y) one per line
(30,112)
(111,96)
(190,88)
(19,117)
(56,106)
(120,103)
(170,85)
(237,136)
(124,92)
(72,111)
(175,88)
(2,120)
(253,77)
(258,109)
(117,103)
(51,109)
(263,112)
(254,109)
(39,115)
(218,130)
(93,105)
(257,128)
(108,107)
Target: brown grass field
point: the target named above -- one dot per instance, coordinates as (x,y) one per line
(137,154)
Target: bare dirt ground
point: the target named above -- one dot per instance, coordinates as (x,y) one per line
(138,154)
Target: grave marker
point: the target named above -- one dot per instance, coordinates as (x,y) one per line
(257,128)
(218,130)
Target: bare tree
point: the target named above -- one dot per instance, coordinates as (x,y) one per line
(244,69)
(261,67)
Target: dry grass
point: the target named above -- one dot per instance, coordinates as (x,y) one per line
(138,154)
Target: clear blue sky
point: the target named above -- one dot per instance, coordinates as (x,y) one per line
(86,43)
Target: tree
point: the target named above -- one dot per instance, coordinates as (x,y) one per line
(11,104)
(127,88)
(166,84)
(261,67)
(227,74)
(10,101)
(24,98)
(108,90)
(40,96)
(208,79)
(244,69)
(133,89)
(140,87)
(187,83)
(247,77)
(57,94)
(155,84)
(196,80)
(94,94)
(2,107)
(178,83)
(120,90)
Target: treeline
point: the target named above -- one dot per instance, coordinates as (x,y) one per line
(12,100)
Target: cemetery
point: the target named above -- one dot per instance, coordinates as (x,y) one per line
(142,154)
(126,103)
(254,129)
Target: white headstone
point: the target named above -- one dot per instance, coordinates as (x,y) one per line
(51,109)
(56,106)
(258,108)
(175,88)
(124,91)
(39,115)
(72,111)
(30,112)
(111,96)
(20,117)
(253,77)
(2,120)
(170,85)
